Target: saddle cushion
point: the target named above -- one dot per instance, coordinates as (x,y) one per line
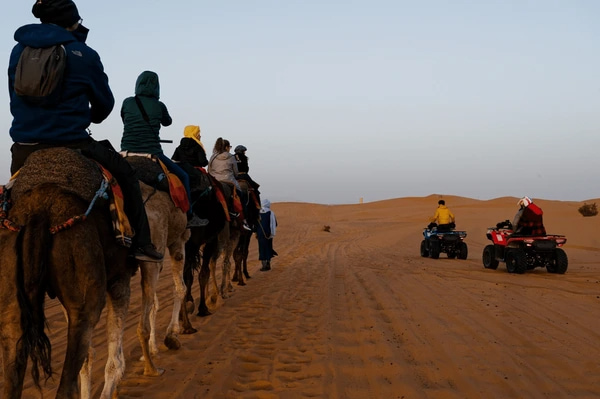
(61,166)
(149,172)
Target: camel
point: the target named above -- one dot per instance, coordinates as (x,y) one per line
(240,253)
(168,231)
(207,206)
(48,248)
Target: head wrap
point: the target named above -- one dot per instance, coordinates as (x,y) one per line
(59,12)
(525,202)
(193,132)
(240,148)
(266,207)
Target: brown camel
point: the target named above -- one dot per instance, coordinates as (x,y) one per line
(226,242)
(240,253)
(168,231)
(80,265)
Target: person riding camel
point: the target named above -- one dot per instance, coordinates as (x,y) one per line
(243,168)
(143,115)
(529,219)
(223,167)
(190,148)
(85,98)
(190,155)
(443,217)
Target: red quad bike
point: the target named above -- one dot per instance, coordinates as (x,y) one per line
(524,252)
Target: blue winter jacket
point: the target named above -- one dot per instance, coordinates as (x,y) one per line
(86,97)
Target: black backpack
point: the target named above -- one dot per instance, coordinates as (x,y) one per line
(39,74)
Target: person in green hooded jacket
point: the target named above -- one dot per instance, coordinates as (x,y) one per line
(143,115)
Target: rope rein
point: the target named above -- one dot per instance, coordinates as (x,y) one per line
(8,224)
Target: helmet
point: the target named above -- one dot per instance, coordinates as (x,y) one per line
(525,202)
(240,148)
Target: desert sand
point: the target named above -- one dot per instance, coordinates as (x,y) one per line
(357,313)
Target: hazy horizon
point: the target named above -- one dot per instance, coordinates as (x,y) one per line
(338,101)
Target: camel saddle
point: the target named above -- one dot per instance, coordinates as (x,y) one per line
(64,167)
(148,171)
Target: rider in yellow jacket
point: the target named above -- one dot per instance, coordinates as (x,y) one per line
(443,216)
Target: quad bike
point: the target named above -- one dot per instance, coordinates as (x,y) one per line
(449,241)
(524,252)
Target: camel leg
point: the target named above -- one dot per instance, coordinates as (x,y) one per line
(188,279)
(79,341)
(85,374)
(177,259)
(245,253)
(152,319)
(225,277)
(14,354)
(83,296)
(149,279)
(203,277)
(213,274)
(119,294)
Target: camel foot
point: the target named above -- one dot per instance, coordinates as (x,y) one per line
(241,282)
(189,307)
(189,330)
(213,298)
(172,342)
(203,312)
(157,372)
(247,275)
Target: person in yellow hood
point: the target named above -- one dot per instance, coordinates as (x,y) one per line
(190,149)
(443,216)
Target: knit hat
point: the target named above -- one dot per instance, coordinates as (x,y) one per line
(240,148)
(59,12)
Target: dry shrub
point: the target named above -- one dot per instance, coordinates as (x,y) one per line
(588,209)
(326,228)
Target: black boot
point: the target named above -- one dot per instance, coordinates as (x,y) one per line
(264,267)
(148,253)
(195,221)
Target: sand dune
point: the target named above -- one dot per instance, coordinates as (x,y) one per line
(357,313)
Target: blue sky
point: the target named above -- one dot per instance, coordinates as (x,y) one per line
(342,100)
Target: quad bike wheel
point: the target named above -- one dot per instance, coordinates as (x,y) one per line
(516,261)
(434,248)
(489,257)
(560,263)
(424,251)
(463,250)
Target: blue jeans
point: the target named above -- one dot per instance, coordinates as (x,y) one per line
(181,174)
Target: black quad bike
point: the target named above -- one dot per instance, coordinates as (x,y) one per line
(449,241)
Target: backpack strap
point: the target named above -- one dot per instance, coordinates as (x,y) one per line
(142,110)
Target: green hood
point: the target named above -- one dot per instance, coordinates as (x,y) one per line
(147,85)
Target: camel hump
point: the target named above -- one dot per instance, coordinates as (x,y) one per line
(149,172)
(60,166)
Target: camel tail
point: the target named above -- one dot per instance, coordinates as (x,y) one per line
(33,248)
